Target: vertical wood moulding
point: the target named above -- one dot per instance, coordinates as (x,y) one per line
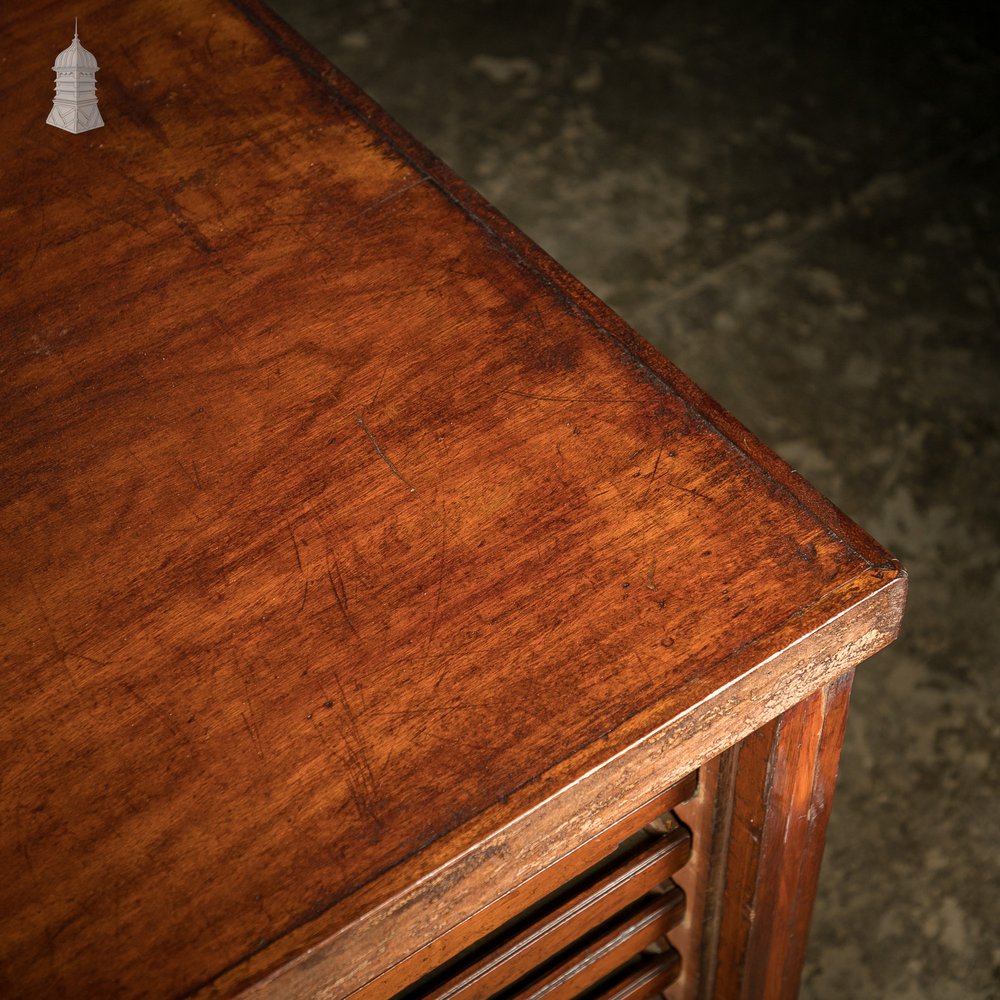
(700,814)
(782,789)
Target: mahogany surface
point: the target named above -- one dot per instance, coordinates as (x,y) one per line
(342,532)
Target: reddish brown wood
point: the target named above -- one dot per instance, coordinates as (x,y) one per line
(643,979)
(709,837)
(782,791)
(640,871)
(444,946)
(357,565)
(622,938)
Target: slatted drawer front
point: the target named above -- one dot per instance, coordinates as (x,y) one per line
(599,935)
(645,976)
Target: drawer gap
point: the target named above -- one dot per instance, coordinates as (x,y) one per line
(641,863)
(567,974)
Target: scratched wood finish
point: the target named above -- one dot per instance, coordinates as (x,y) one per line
(341,531)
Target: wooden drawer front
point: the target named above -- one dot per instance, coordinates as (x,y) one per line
(581,934)
(604,951)
(645,976)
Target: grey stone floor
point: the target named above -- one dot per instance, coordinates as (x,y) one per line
(800,205)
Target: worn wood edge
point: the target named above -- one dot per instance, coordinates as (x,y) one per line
(545,935)
(533,257)
(342,949)
(827,771)
(576,297)
(503,851)
(721,830)
(516,899)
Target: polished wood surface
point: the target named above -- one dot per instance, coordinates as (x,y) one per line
(357,564)
(650,975)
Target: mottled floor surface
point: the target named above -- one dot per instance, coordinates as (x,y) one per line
(800,205)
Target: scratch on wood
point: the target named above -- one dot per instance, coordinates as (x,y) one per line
(385,199)
(173,210)
(381,454)
(252,730)
(685,489)
(361,779)
(440,587)
(450,709)
(650,578)
(56,647)
(295,545)
(84,657)
(645,669)
(164,715)
(298,220)
(656,466)
(378,388)
(251,724)
(340,593)
(666,482)
(193,476)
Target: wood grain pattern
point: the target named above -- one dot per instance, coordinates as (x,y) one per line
(356,563)
(780,797)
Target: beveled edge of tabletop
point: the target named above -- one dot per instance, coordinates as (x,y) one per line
(577,298)
(394,919)
(340,950)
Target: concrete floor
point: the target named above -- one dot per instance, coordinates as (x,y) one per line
(799,205)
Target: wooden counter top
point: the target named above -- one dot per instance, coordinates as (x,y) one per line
(342,531)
